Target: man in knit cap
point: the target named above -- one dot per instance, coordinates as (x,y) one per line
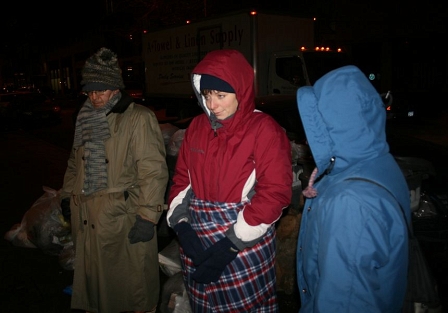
(113,193)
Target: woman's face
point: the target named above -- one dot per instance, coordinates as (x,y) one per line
(222,104)
(99,98)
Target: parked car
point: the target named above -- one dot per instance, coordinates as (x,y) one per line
(28,110)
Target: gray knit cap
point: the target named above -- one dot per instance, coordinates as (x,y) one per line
(102,72)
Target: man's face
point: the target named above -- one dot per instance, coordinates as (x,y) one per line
(99,98)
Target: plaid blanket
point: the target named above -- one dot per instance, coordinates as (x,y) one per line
(248,282)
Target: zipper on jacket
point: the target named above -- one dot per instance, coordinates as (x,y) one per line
(214,130)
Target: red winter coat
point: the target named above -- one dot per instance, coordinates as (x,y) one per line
(245,157)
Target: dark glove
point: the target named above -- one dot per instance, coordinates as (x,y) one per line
(142,230)
(65,208)
(221,254)
(190,242)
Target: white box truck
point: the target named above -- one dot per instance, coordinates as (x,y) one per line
(274,44)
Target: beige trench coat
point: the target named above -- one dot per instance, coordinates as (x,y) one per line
(110,274)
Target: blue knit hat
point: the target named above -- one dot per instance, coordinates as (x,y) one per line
(214,83)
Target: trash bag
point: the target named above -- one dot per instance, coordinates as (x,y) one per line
(175,142)
(182,303)
(169,259)
(42,226)
(168,130)
(67,256)
(174,297)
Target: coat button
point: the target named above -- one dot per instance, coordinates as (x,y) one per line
(85,222)
(93,226)
(303,290)
(107,161)
(309,209)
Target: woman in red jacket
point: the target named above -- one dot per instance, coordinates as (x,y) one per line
(232,180)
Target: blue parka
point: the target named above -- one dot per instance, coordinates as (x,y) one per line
(352,251)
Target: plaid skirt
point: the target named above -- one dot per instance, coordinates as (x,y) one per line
(248,282)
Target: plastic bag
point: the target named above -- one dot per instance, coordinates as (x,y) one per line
(422,285)
(174,297)
(168,130)
(169,259)
(175,142)
(182,304)
(67,256)
(42,226)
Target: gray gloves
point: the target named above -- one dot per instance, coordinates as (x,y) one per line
(143,230)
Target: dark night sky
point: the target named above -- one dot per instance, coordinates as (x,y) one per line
(51,20)
(41,20)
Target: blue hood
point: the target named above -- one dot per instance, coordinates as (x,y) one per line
(343,117)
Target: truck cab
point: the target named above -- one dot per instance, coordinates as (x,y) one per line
(289,70)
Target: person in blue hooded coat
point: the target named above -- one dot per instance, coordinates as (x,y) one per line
(352,253)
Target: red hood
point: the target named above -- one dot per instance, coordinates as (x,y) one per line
(232,67)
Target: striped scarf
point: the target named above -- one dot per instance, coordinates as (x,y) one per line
(91,131)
